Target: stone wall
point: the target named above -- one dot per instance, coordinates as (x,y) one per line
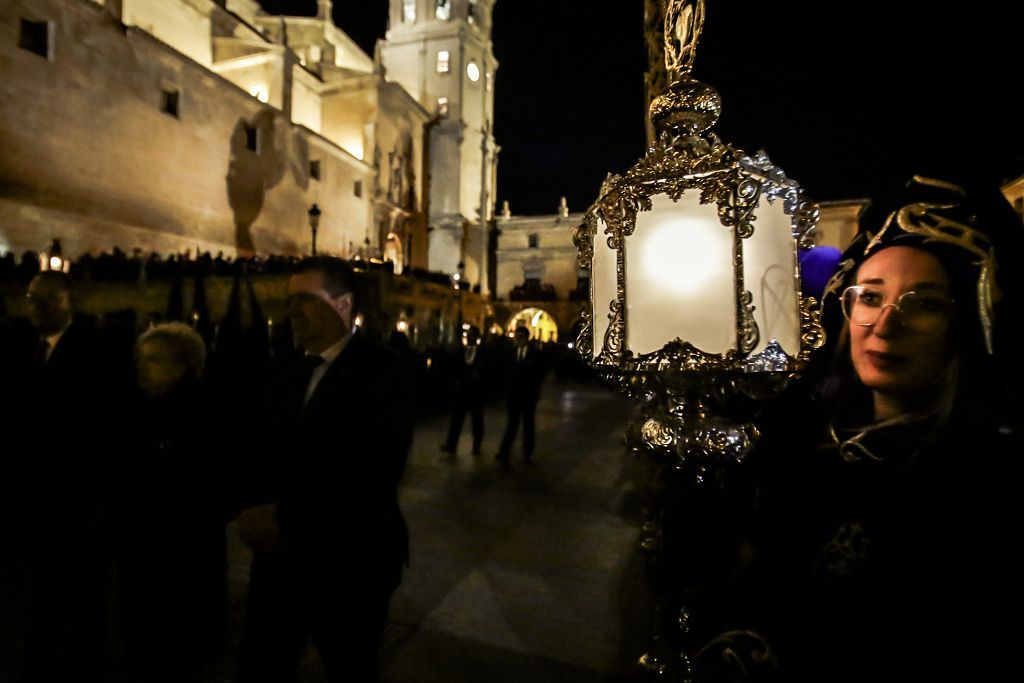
(553,258)
(91,156)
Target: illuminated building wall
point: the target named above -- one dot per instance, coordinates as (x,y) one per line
(442,55)
(537,248)
(194,126)
(179,24)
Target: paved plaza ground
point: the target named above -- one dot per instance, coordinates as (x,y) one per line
(526,575)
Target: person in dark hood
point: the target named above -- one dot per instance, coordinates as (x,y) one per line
(881,539)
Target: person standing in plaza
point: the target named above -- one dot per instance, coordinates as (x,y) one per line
(322,510)
(525,375)
(468,369)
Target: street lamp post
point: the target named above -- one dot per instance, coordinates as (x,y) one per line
(458,280)
(53,258)
(314,221)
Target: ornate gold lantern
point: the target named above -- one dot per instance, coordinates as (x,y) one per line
(695,305)
(694,282)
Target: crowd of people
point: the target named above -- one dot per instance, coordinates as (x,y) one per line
(869,531)
(476,369)
(128,456)
(117,265)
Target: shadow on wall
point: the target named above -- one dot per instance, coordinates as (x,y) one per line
(262,151)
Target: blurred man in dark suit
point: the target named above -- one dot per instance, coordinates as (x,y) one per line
(467,371)
(526,372)
(324,521)
(65,387)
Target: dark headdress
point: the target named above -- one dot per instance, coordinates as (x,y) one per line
(947,221)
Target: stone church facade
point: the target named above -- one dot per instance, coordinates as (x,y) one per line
(440,51)
(172,125)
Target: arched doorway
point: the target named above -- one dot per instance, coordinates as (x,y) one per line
(541,324)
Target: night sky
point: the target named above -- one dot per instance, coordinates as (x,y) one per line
(848,104)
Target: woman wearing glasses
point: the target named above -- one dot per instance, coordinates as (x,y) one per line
(881,546)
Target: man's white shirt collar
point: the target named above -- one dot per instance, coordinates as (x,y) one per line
(329,355)
(53,339)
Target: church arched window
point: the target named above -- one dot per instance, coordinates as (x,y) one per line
(408,11)
(443,9)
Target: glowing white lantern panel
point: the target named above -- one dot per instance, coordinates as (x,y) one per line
(769,274)
(680,283)
(604,283)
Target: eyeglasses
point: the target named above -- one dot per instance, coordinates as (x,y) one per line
(863,306)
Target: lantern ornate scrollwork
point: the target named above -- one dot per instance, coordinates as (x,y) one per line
(695,300)
(694,198)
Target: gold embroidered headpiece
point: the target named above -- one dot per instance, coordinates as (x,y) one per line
(937,216)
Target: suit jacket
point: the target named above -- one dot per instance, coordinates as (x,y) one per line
(468,376)
(337,462)
(63,424)
(525,376)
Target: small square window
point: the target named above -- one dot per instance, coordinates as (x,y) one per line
(314,169)
(534,240)
(169,100)
(252,138)
(357,188)
(443,59)
(35,37)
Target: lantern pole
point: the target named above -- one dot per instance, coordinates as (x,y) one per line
(698,397)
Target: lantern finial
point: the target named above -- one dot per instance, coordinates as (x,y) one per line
(688,107)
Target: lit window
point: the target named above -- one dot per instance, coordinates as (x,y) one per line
(442,106)
(314,169)
(472,12)
(169,100)
(408,11)
(35,37)
(473,71)
(357,188)
(443,65)
(443,9)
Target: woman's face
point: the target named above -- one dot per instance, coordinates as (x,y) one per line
(158,368)
(900,356)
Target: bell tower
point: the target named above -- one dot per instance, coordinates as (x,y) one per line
(440,51)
